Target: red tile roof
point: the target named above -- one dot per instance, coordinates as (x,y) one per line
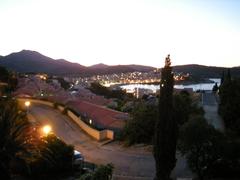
(99,114)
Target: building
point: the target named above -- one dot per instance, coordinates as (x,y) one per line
(100,116)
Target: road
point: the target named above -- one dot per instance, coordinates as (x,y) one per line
(210,107)
(129,163)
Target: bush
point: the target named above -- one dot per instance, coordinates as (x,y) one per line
(55,158)
(98,89)
(16,137)
(101,173)
(229,93)
(140,127)
(201,144)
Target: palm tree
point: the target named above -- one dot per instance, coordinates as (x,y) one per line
(15,136)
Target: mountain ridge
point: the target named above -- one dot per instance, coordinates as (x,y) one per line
(33,61)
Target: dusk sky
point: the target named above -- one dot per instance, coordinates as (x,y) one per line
(125,31)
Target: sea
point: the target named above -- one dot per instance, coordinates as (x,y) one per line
(195,87)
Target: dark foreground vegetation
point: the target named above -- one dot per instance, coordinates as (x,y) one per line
(8,81)
(229,107)
(210,154)
(27,153)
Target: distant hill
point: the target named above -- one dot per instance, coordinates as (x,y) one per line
(199,70)
(32,61)
(205,71)
(98,66)
(105,69)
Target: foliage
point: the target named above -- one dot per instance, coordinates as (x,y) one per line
(127,107)
(101,173)
(9,78)
(182,104)
(228,166)
(64,84)
(98,89)
(87,176)
(4,74)
(229,106)
(185,107)
(166,126)
(201,144)
(140,127)
(16,136)
(55,158)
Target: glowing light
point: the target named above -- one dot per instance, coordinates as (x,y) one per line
(27,103)
(90,121)
(47,129)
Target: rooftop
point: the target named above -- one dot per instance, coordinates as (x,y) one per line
(100,115)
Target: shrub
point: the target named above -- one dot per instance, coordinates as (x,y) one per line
(55,158)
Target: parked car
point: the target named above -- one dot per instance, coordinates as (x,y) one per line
(78,159)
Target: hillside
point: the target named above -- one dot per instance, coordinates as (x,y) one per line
(105,69)
(199,70)
(32,61)
(98,66)
(205,71)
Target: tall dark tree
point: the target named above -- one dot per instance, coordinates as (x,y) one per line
(201,144)
(166,126)
(229,105)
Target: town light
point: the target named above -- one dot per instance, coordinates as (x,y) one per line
(46,129)
(90,121)
(27,103)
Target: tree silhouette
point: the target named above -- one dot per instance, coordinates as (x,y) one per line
(15,136)
(201,144)
(166,126)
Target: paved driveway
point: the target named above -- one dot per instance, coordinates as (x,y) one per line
(129,163)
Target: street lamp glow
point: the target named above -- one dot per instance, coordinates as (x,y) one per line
(47,129)
(90,121)
(27,103)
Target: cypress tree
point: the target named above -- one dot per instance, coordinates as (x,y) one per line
(166,126)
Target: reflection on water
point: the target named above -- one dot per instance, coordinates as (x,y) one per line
(199,86)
